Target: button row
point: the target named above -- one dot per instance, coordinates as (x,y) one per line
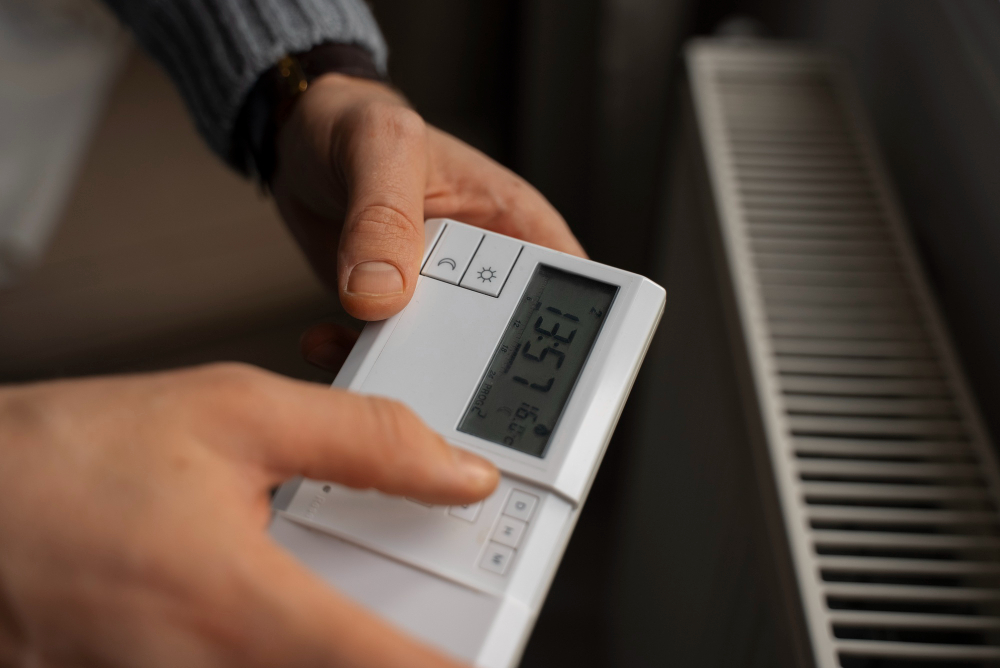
(509,531)
(469,512)
(467,257)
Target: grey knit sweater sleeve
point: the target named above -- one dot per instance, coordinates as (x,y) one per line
(215,50)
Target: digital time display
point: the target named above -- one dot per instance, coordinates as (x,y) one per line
(538,360)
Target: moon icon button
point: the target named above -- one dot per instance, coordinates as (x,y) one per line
(452,253)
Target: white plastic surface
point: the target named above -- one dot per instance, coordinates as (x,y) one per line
(432,356)
(428,537)
(439,611)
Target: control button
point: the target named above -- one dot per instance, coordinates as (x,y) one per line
(492,264)
(497,558)
(469,512)
(420,503)
(509,531)
(521,505)
(452,253)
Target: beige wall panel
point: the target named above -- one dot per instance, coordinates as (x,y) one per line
(161,247)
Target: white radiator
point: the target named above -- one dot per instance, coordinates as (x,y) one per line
(887,485)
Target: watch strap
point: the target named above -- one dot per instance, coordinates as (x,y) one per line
(272,99)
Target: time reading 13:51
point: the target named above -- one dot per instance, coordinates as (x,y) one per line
(538,360)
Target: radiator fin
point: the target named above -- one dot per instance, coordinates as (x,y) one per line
(887,482)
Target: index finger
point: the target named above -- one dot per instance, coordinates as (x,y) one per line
(300,428)
(466,185)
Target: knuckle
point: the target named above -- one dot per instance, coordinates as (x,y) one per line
(234,381)
(385,225)
(223,395)
(391,418)
(396,455)
(231,372)
(24,411)
(511,196)
(398,122)
(396,426)
(522,209)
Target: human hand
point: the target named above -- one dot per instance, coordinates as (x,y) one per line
(354,157)
(134,512)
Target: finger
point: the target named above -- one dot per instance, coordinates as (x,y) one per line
(466,185)
(310,624)
(327,345)
(382,149)
(360,441)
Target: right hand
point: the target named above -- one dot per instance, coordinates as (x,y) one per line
(134,513)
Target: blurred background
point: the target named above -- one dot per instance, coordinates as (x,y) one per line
(159,257)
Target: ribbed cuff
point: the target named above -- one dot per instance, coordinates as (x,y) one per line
(215,50)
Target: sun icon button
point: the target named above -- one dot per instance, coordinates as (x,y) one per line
(491,265)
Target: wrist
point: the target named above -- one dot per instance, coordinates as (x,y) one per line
(313,144)
(278,91)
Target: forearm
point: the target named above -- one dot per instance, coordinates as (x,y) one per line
(215,50)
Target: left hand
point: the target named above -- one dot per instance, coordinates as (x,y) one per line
(358,172)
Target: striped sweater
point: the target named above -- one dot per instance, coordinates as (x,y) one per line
(215,50)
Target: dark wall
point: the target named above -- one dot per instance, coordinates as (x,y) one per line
(571,94)
(580,97)
(457,62)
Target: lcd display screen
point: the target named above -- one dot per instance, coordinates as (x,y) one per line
(538,360)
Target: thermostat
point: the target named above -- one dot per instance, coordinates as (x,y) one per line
(522,355)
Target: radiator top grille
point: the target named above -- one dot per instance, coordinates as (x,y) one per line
(887,483)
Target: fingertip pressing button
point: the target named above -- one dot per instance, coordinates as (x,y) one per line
(469,512)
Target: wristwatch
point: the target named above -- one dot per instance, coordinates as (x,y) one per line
(271,100)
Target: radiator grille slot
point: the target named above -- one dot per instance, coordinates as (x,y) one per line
(887,483)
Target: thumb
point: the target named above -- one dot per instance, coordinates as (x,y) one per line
(383,154)
(362,442)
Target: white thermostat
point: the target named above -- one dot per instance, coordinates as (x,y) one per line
(518,353)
